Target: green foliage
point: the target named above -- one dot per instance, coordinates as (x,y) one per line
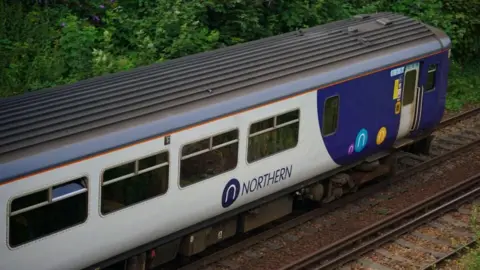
(458,18)
(471,260)
(58,41)
(27,52)
(473,263)
(75,46)
(464,85)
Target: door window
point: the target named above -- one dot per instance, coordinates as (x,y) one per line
(432,70)
(409,86)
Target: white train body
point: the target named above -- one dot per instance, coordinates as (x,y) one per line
(351,106)
(105,236)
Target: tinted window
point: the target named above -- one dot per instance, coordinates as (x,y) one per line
(30,200)
(135,182)
(116,172)
(48,211)
(273,135)
(208,157)
(262,125)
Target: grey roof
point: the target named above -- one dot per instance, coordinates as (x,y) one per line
(176,92)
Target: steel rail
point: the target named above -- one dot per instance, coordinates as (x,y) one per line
(457,118)
(379,233)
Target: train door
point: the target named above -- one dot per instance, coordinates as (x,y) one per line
(411,100)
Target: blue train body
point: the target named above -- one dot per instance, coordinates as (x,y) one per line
(368,104)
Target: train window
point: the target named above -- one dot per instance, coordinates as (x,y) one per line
(30,200)
(122,170)
(330,115)
(273,135)
(262,125)
(196,147)
(431,76)
(48,211)
(134,182)
(409,86)
(209,157)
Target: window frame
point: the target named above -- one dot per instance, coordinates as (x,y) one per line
(211,148)
(323,116)
(275,126)
(434,77)
(136,171)
(50,200)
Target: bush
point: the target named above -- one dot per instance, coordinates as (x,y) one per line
(57,42)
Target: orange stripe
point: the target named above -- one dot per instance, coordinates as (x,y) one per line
(216,119)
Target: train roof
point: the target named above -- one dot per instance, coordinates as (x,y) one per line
(53,126)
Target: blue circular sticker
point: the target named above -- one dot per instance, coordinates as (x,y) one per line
(361,140)
(230,192)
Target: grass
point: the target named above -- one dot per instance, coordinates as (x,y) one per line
(463,86)
(471,260)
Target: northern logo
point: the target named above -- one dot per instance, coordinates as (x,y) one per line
(234,189)
(230,192)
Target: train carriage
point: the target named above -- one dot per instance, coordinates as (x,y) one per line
(168,159)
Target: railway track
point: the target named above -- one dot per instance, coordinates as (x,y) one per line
(433,211)
(444,146)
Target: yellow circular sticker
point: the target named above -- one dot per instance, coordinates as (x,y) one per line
(397,107)
(382,134)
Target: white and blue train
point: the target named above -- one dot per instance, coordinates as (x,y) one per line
(139,167)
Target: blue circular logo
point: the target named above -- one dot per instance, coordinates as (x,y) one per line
(230,192)
(361,140)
